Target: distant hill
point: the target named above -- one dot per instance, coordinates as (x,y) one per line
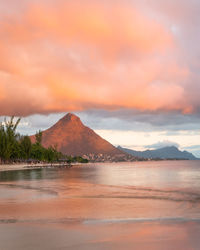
(162,153)
(72,137)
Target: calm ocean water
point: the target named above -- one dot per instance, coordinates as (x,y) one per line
(109,206)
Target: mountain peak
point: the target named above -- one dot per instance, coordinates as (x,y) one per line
(72,137)
(170,148)
(70,118)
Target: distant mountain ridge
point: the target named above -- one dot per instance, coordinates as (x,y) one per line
(72,137)
(171,152)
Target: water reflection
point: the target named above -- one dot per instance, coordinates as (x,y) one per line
(125,190)
(28,175)
(107,197)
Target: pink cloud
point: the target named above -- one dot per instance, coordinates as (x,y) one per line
(63,55)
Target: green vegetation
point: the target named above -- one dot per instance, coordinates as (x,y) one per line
(14,147)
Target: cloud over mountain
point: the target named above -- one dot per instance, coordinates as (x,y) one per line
(162,144)
(77,55)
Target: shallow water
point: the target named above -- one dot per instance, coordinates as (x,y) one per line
(141,205)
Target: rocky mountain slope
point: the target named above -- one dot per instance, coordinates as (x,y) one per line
(72,137)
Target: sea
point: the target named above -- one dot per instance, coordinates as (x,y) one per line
(139,205)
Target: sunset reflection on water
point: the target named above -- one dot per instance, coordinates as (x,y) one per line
(142,204)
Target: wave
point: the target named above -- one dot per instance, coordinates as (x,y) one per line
(93,221)
(143,220)
(26,187)
(145,197)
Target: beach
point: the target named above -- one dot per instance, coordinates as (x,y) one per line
(141,205)
(14,167)
(23,166)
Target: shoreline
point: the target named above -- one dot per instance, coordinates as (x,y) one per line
(24,166)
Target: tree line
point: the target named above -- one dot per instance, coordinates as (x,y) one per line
(15,147)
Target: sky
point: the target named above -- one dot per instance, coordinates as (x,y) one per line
(128,68)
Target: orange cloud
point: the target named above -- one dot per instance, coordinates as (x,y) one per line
(64,55)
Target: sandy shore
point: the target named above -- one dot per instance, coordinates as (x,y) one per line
(24,166)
